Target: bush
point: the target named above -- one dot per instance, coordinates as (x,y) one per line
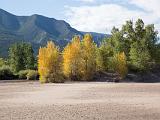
(55,78)
(23,74)
(32,75)
(6,73)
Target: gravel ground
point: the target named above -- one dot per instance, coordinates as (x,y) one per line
(79,101)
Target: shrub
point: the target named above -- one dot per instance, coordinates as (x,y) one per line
(6,73)
(23,74)
(55,78)
(32,75)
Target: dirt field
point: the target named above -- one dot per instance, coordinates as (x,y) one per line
(79,101)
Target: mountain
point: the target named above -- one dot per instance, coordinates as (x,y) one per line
(37,30)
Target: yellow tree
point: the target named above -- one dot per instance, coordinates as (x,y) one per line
(67,61)
(121,64)
(49,63)
(88,67)
(72,59)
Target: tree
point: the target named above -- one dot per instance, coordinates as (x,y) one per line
(135,40)
(49,66)
(16,57)
(88,67)
(151,40)
(117,41)
(21,57)
(120,64)
(128,31)
(2,62)
(28,56)
(139,56)
(72,59)
(139,30)
(104,53)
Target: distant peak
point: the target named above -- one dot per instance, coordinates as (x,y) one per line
(1,10)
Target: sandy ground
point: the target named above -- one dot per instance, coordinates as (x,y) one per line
(79,101)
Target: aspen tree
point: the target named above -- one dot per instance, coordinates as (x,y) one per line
(72,59)
(88,57)
(49,63)
(121,64)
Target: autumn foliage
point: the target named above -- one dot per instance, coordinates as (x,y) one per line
(88,67)
(72,59)
(135,47)
(120,64)
(77,61)
(49,63)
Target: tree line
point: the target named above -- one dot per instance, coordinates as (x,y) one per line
(134,47)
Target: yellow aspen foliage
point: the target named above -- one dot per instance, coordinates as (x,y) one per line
(42,68)
(121,64)
(72,59)
(49,63)
(88,67)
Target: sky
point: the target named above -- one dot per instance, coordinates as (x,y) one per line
(89,15)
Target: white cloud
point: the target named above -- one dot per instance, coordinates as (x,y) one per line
(101,18)
(152,6)
(149,5)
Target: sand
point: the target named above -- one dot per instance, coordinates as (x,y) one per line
(79,101)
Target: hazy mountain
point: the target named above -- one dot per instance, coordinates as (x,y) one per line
(37,30)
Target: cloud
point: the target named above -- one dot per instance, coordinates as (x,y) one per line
(101,18)
(149,5)
(153,9)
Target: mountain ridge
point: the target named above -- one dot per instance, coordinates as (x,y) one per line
(37,30)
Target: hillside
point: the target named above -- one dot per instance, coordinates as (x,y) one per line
(37,30)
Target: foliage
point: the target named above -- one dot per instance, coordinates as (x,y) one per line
(138,42)
(133,47)
(6,73)
(2,62)
(32,75)
(72,59)
(104,53)
(49,63)
(23,74)
(79,58)
(88,67)
(21,57)
(28,56)
(139,57)
(120,64)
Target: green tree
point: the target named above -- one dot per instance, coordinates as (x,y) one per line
(104,53)
(139,56)
(131,35)
(28,56)
(117,41)
(151,40)
(21,57)
(2,62)
(16,57)
(139,29)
